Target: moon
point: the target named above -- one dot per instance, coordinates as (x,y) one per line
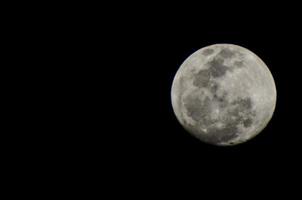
(223,94)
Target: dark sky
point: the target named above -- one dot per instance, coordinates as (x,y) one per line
(108,76)
(153,142)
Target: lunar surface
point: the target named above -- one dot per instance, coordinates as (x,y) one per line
(223,94)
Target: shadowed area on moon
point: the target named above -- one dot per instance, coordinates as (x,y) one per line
(217,68)
(237,112)
(226,53)
(207,52)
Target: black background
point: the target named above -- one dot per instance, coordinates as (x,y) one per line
(104,112)
(145,148)
(148,142)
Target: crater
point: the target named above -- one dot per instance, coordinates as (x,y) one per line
(228,132)
(243,103)
(217,68)
(247,122)
(226,53)
(239,63)
(202,78)
(243,112)
(193,107)
(207,52)
(221,99)
(198,110)
(206,110)
(213,87)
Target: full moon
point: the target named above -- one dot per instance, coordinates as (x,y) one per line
(223,94)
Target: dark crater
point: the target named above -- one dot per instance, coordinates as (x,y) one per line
(243,103)
(247,122)
(223,102)
(213,87)
(198,110)
(226,53)
(194,107)
(202,78)
(239,64)
(207,52)
(217,68)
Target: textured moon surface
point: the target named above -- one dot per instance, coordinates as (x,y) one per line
(223,94)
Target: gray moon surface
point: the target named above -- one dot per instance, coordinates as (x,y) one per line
(223,94)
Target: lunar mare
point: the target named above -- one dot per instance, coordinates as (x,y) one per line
(223,94)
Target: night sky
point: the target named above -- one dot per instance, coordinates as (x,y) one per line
(156,144)
(108,72)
